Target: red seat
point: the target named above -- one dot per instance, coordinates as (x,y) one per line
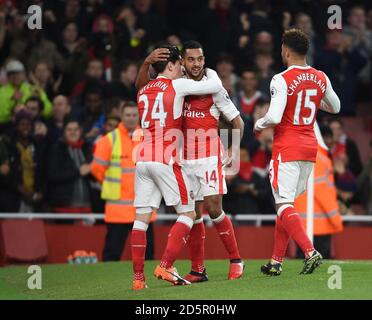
(24,241)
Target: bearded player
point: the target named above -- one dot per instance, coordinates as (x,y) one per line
(296,95)
(204,160)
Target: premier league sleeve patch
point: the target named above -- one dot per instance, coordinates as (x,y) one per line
(273,92)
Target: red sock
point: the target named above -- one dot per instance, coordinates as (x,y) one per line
(293,225)
(196,246)
(226,232)
(281,241)
(177,239)
(138,244)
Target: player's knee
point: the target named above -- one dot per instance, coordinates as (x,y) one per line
(198,215)
(191,215)
(143,217)
(280,207)
(214,208)
(215,213)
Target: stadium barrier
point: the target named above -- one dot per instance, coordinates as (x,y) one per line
(255,239)
(257,218)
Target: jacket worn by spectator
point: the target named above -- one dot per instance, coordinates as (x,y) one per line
(66,187)
(18,176)
(7,101)
(9,197)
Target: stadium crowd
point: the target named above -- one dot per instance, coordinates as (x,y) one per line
(61,88)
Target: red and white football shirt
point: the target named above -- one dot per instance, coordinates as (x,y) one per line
(200,123)
(160,104)
(296,96)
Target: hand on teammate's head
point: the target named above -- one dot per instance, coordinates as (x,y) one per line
(157,55)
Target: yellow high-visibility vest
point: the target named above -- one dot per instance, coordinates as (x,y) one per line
(111,186)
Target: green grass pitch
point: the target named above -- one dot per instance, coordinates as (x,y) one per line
(114,280)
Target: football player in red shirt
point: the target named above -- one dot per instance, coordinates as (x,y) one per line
(296,95)
(204,160)
(158,170)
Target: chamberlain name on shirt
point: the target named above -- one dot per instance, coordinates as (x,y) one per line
(305,77)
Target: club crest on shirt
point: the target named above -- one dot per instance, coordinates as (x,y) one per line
(192,196)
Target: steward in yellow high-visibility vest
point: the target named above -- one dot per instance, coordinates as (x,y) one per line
(114,167)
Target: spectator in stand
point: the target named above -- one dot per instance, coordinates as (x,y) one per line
(91,112)
(93,77)
(149,21)
(8,187)
(102,44)
(364,183)
(249,95)
(58,13)
(112,109)
(345,184)
(250,190)
(264,42)
(73,50)
(18,90)
(221,32)
(35,49)
(303,21)
(27,158)
(131,37)
(342,63)
(61,110)
(41,77)
(249,140)
(262,155)
(264,62)
(345,147)
(34,106)
(369,20)
(124,88)
(361,41)
(225,70)
(68,172)
(357,29)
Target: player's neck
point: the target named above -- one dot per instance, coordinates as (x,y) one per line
(297,62)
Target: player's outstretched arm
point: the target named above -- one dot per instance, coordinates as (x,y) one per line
(278,91)
(331,102)
(185,87)
(143,77)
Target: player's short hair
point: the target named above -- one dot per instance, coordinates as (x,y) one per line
(296,40)
(191,44)
(174,56)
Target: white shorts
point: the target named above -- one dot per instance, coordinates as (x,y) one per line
(289,179)
(155,180)
(207,176)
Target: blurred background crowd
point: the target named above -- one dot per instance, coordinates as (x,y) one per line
(61,88)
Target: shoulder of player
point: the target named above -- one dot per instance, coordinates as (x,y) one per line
(279,80)
(221,96)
